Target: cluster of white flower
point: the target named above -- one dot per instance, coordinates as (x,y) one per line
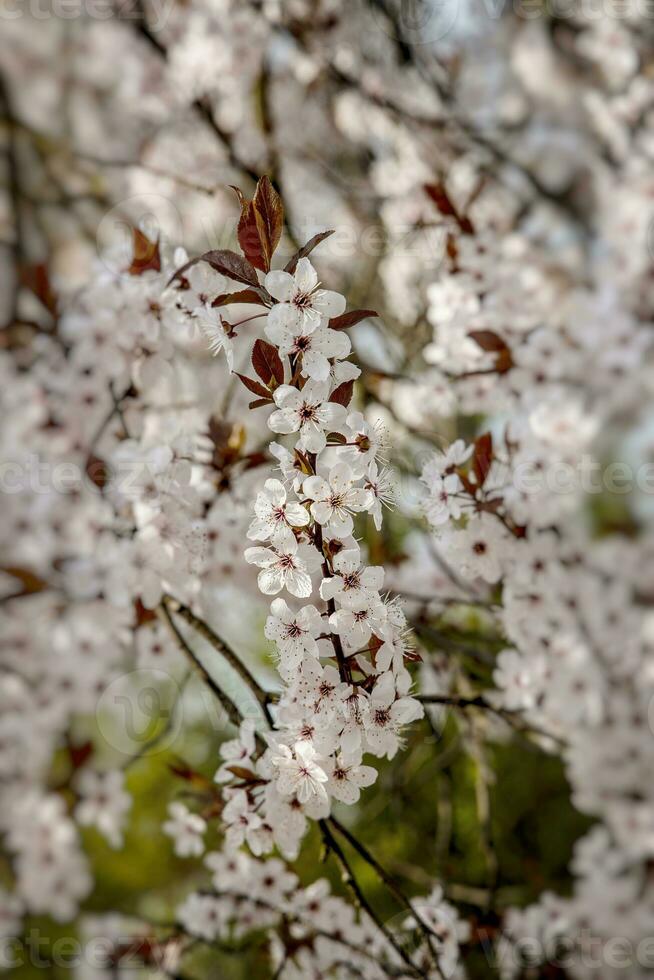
(327,936)
(490,180)
(561,371)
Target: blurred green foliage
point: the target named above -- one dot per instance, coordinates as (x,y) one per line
(489,818)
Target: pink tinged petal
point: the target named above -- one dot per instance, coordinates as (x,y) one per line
(280,609)
(282,318)
(263,557)
(312,438)
(283,538)
(270,581)
(287,397)
(274,629)
(329,588)
(281,285)
(322,511)
(350,739)
(283,423)
(298,583)
(306,278)
(359,499)
(345,791)
(340,477)
(310,619)
(330,303)
(373,578)
(296,515)
(309,557)
(407,710)
(316,488)
(258,531)
(276,492)
(310,320)
(332,343)
(332,415)
(341,527)
(315,365)
(277,331)
(347,561)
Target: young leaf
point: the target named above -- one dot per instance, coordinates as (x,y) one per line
(37,280)
(260,402)
(225,261)
(241,772)
(482,457)
(247,232)
(343,394)
(442,200)
(254,386)
(241,296)
(269,213)
(306,250)
(233,265)
(266,362)
(146,254)
(488,340)
(260,225)
(346,320)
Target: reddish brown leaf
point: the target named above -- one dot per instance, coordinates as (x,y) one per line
(232,265)
(248,234)
(146,255)
(302,253)
(267,363)
(143,615)
(260,402)
(245,774)
(260,225)
(350,319)
(184,771)
(269,212)
(504,361)
(482,457)
(254,386)
(31,583)
(413,657)
(79,754)
(442,200)
(488,340)
(37,280)
(343,394)
(97,471)
(241,296)
(225,261)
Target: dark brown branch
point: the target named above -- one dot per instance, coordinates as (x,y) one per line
(231,710)
(350,880)
(218,644)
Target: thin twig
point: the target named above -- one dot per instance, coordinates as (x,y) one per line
(350,880)
(218,644)
(228,705)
